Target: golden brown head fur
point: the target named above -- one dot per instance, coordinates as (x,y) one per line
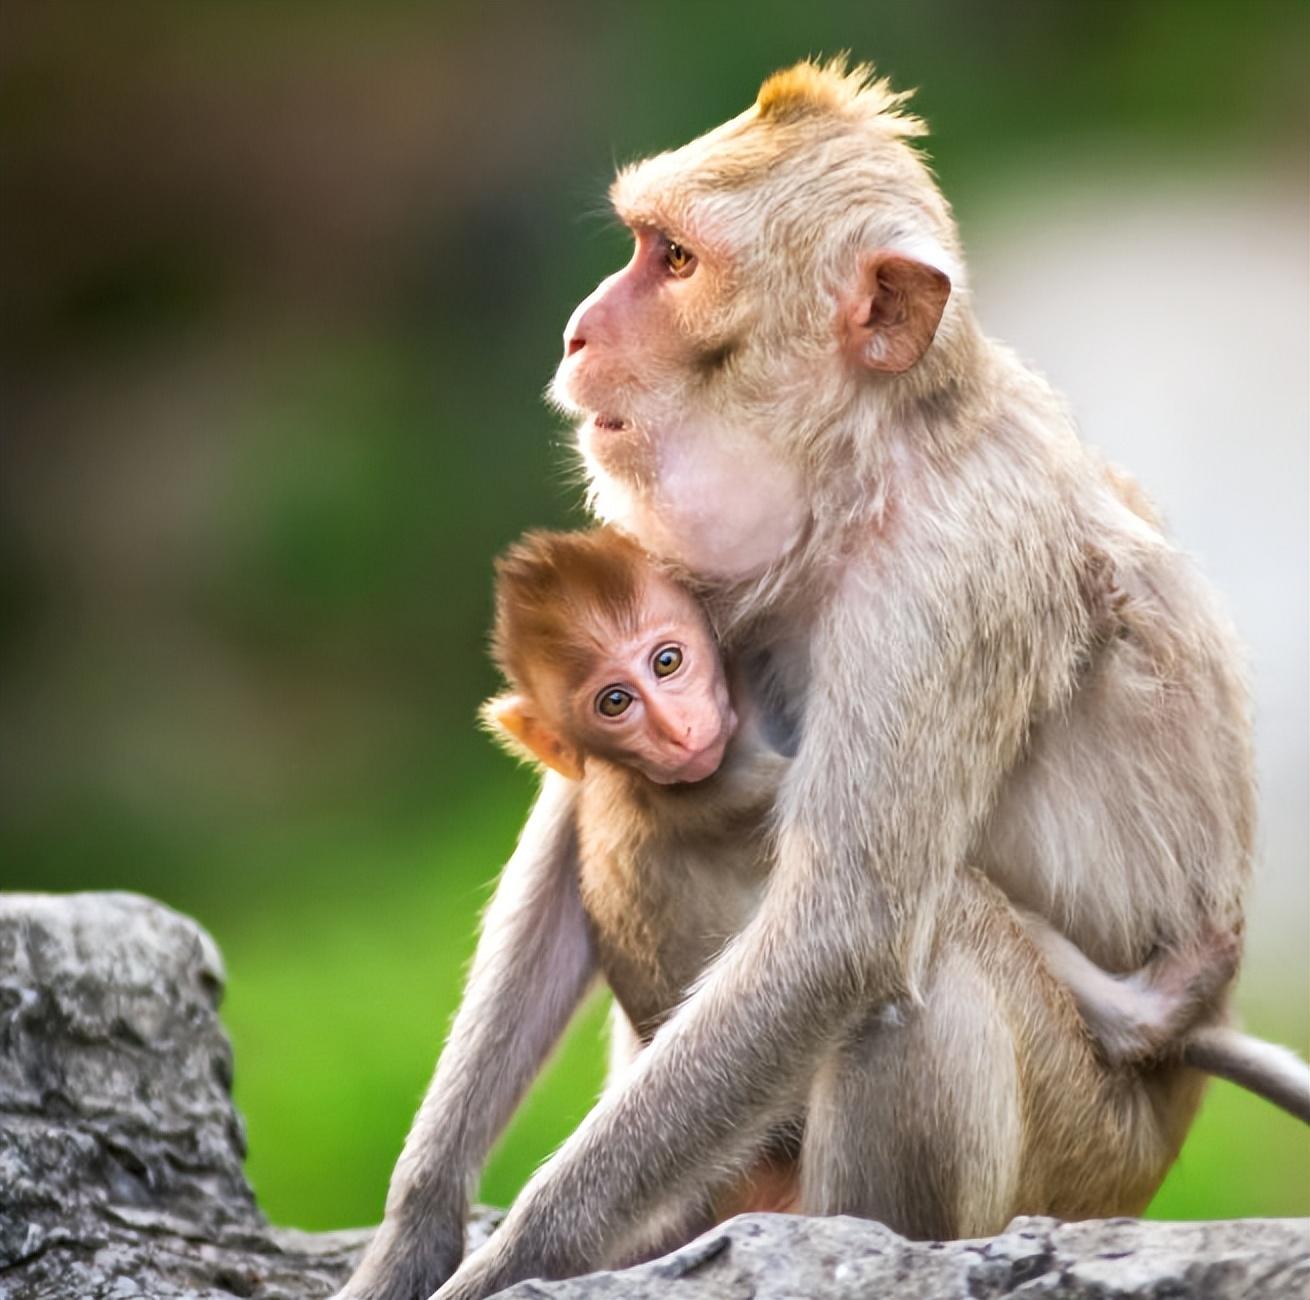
(550,589)
(834,88)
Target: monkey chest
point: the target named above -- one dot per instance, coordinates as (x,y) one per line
(662,906)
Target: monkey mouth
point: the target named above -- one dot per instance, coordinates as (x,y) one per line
(610,423)
(707,760)
(701,765)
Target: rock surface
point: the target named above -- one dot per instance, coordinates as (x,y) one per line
(784,1257)
(120,1166)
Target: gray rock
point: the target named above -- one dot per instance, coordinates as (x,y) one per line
(784,1257)
(120,1166)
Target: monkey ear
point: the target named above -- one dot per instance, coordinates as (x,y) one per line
(526,736)
(894,311)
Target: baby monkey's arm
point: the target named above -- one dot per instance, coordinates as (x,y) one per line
(1158,1011)
(1148,1013)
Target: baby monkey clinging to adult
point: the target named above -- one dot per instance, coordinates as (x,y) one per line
(616,681)
(607,658)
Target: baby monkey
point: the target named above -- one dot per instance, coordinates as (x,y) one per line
(616,681)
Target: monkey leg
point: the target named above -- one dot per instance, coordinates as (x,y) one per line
(770,1184)
(987,1099)
(533,966)
(664,1230)
(916,1120)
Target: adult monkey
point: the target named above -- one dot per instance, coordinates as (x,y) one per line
(982,657)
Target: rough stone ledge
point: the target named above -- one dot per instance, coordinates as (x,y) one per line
(121,1154)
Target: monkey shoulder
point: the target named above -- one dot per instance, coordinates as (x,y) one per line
(1079,535)
(1145,600)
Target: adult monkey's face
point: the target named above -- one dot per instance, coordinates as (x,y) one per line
(784,266)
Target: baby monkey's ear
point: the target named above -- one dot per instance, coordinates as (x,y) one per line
(513,722)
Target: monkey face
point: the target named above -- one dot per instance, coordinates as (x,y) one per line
(787,267)
(631,334)
(673,454)
(655,697)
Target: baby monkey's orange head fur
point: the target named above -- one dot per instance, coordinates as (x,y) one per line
(606,657)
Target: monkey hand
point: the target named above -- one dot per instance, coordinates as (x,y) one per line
(1171,994)
(406,1258)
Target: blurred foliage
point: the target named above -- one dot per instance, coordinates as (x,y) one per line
(282,285)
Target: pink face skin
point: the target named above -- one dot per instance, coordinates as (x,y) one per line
(632,314)
(657,701)
(667,468)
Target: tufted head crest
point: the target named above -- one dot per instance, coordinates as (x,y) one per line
(836,88)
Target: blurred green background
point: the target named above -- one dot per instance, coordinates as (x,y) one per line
(282,285)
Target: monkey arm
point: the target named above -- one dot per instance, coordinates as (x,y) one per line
(926,668)
(1141,1015)
(534,962)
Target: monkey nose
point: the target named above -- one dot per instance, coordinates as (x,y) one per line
(676,732)
(574,343)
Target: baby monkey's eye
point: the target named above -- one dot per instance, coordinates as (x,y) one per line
(613,702)
(667,661)
(679,260)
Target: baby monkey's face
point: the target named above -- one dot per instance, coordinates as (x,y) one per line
(655,699)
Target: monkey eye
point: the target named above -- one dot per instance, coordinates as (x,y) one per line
(679,260)
(666,661)
(613,701)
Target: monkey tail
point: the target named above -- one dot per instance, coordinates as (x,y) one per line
(1275,1073)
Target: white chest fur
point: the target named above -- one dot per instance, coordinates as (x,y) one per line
(721,504)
